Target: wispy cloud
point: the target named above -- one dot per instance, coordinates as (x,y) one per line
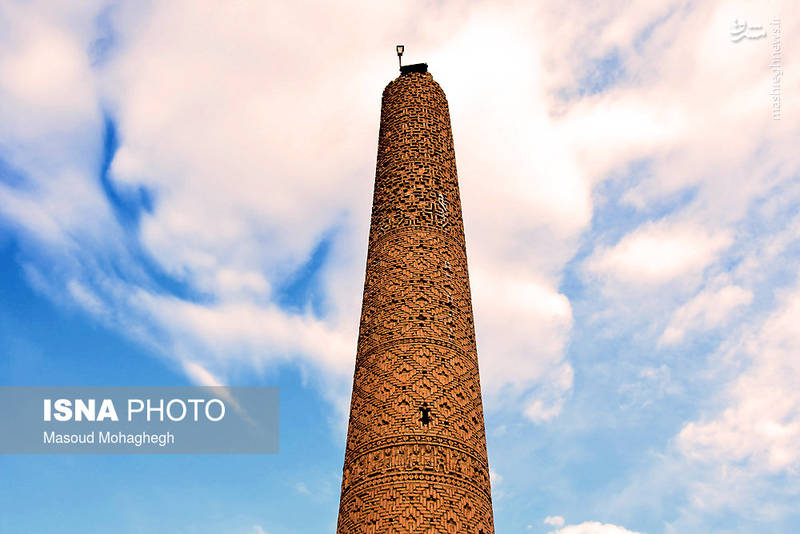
(658,253)
(300,487)
(759,425)
(706,310)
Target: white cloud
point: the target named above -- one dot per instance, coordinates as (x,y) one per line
(258,529)
(496,477)
(554,520)
(759,424)
(652,384)
(593,527)
(707,310)
(657,253)
(45,77)
(548,398)
(86,298)
(247,333)
(200,375)
(522,326)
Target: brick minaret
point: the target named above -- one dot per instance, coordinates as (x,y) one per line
(416,447)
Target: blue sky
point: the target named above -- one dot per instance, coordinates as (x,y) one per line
(184,199)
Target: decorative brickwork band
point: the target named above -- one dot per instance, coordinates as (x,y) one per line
(415,460)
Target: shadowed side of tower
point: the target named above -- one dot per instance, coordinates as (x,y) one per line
(416,448)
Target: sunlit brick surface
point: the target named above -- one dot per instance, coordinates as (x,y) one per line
(416,448)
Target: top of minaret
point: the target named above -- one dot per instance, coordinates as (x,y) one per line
(420,68)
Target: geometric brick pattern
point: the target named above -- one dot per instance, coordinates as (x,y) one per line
(415,460)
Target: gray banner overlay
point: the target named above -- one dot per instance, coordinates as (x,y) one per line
(138,420)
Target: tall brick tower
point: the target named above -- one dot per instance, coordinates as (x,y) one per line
(415,460)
